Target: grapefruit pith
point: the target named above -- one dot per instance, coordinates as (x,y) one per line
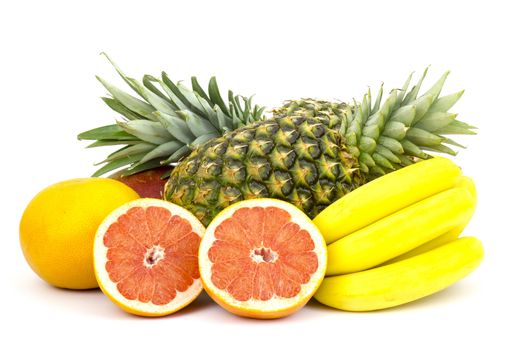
(262,258)
(145,257)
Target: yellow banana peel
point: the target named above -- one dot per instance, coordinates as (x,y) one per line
(432,244)
(386,195)
(402,231)
(403,281)
(465,182)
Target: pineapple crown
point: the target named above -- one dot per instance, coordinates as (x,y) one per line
(393,134)
(166,121)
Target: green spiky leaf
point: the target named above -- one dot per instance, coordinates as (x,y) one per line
(215,95)
(119,163)
(107,132)
(121,109)
(130,102)
(147,130)
(162,151)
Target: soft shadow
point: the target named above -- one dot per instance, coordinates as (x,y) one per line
(215,313)
(452,294)
(318,307)
(202,303)
(88,301)
(313,310)
(94,302)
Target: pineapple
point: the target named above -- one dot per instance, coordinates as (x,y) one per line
(310,153)
(294,158)
(396,134)
(164,125)
(313,152)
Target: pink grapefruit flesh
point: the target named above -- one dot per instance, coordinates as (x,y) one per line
(271,258)
(263,258)
(146,257)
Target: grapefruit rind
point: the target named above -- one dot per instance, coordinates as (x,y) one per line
(59,223)
(276,306)
(109,287)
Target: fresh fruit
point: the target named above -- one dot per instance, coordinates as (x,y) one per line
(164,125)
(394,192)
(467,183)
(295,159)
(313,161)
(59,224)
(401,231)
(262,258)
(396,134)
(403,281)
(145,257)
(428,246)
(463,182)
(310,154)
(148,183)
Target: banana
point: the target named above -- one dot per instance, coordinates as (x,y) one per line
(401,232)
(465,182)
(436,242)
(468,183)
(386,195)
(403,281)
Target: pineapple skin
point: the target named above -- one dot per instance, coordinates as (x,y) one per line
(299,159)
(328,112)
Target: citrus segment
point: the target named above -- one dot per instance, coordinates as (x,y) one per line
(275,241)
(262,258)
(146,257)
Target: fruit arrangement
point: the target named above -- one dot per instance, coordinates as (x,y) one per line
(343,202)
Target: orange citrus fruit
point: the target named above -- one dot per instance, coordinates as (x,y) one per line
(262,258)
(145,257)
(59,224)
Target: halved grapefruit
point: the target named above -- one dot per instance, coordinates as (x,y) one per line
(145,257)
(262,258)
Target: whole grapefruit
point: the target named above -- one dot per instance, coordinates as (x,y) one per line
(58,227)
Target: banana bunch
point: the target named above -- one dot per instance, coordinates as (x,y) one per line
(395,239)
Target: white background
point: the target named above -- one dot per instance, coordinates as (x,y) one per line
(48,59)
